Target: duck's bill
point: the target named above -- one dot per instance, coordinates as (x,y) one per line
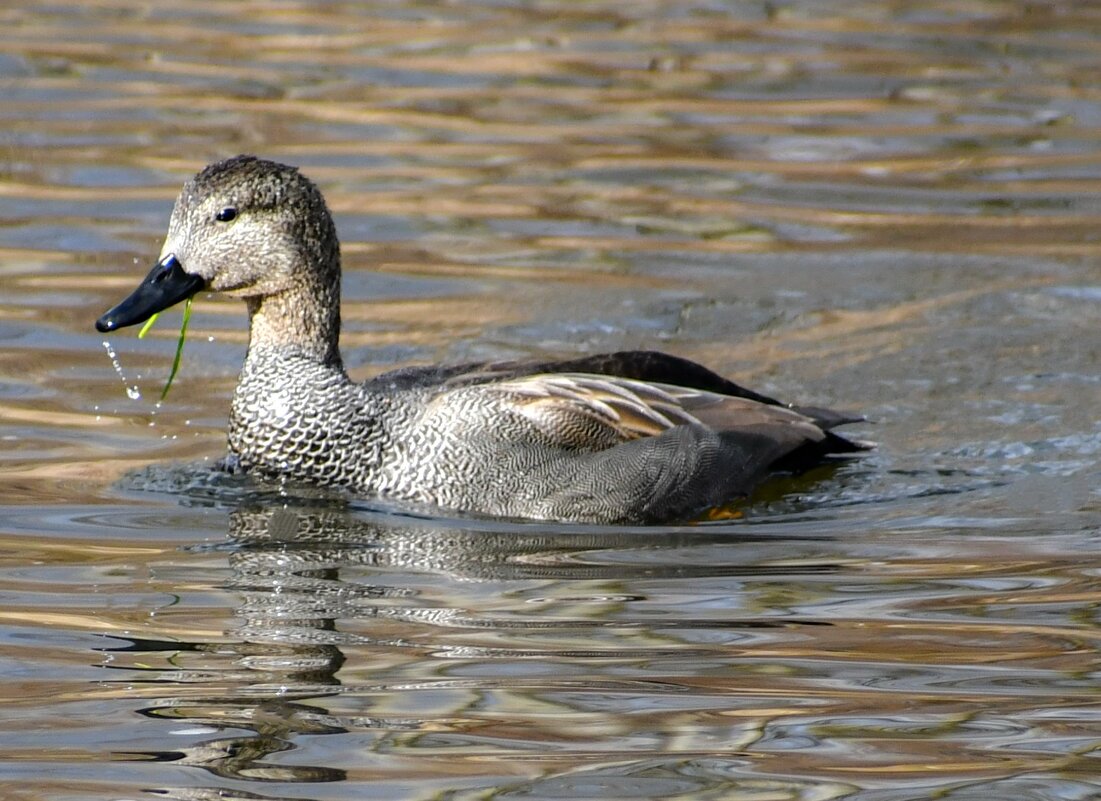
(166,285)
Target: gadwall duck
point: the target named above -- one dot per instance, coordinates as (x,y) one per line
(629,437)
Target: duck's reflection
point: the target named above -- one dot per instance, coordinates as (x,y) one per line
(284,650)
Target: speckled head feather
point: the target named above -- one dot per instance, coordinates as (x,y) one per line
(255,183)
(261,231)
(626,437)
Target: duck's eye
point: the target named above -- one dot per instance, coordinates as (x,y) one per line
(228,214)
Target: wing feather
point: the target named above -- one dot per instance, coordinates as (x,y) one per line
(578,404)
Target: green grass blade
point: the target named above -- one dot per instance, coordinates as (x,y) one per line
(179,348)
(148,324)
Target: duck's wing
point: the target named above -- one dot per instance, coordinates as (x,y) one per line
(590,411)
(629,393)
(650,366)
(678,376)
(642,365)
(653,366)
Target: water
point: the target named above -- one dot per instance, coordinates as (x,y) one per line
(886,207)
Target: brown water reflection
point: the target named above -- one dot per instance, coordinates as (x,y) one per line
(884,206)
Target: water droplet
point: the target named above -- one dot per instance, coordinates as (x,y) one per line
(132,392)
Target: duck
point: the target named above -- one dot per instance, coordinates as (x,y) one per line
(631,437)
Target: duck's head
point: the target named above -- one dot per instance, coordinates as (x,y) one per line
(244,226)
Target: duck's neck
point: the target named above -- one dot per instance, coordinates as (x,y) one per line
(304,319)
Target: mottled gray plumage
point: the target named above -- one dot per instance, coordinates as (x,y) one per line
(626,437)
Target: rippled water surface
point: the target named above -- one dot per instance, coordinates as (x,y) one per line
(888,207)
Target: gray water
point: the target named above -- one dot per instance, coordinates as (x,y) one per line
(886,207)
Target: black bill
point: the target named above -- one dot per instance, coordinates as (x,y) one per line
(166,285)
